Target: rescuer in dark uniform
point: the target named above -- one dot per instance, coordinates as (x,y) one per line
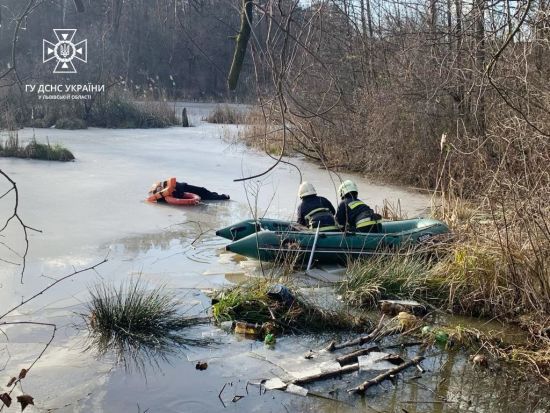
(315,210)
(353,214)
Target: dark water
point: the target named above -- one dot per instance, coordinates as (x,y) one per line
(449,384)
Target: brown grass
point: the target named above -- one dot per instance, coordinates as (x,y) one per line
(262,133)
(226,114)
(497,266)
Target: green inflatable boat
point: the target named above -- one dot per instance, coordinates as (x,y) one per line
(272,240)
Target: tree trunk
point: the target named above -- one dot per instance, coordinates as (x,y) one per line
(509,15)
(240,47)
(459,98)
(433,14)
(479,114)
(184,118)
(369,19)
(363,19)
(366,24)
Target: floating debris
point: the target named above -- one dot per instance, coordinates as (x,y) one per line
(394,307)
(294,389)
(479,360)
(407,320)
(375,360)
(25,400)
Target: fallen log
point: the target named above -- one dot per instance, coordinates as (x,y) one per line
(384,376)
(406,344)
(325,375)
(375,335)
(352,357)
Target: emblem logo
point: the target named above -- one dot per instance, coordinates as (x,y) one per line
(64,51)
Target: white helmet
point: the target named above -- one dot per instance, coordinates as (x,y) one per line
(346,187)
(306,189)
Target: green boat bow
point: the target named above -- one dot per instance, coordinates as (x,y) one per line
(250,226)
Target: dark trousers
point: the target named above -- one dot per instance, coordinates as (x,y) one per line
(204,193)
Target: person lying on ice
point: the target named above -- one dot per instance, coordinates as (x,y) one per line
(171,188)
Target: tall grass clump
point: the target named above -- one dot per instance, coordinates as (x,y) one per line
(250,302)
(226,114)
(399,276)
(34,150)
(11,147)
(55,152)
(135,322)
(70,123)
(118,112)
(472,275)
(115,109)
(499,266)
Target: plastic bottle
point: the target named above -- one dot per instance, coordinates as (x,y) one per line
(441,336)
(270,339)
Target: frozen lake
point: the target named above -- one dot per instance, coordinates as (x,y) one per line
(94,208)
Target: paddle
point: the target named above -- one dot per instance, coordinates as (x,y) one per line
(313,247)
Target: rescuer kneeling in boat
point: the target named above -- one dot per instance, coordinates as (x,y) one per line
(181,193)
(353,214)
(315,211)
